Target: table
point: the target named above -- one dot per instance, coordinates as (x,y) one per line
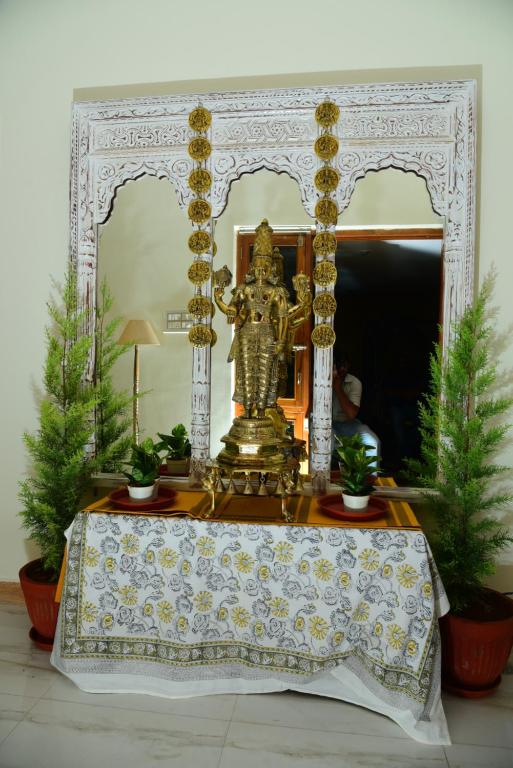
(178,606)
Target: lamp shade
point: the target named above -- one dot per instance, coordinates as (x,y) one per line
(138,332)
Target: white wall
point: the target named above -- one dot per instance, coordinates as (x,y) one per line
(48,49)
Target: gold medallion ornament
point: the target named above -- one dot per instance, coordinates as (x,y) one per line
(326,146)
(323,336)
(200,336)
(327,114)
(199,272)
(326,179)
(199,306)
(200,181)
(324,305)
(199,242)
(199,211)
(199,148)
(324,243)
(326,211)
(325,273)
(200,119)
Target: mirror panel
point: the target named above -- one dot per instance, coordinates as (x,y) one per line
(143,255)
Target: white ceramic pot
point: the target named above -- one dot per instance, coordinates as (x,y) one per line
(355,503)
(142,492)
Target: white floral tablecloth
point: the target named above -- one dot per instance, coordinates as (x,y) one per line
(180,607)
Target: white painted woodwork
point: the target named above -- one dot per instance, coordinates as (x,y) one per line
(428,128)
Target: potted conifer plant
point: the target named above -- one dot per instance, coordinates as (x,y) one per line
(178,450)
(62,467)
(461,432)
(145,465)
(356,469)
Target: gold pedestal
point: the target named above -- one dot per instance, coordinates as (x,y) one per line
(252,443)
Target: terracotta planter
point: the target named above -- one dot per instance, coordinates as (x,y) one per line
(42,609)
(476,648)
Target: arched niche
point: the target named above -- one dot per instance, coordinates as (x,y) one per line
(426,127)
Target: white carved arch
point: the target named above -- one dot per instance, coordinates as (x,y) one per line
(427,128)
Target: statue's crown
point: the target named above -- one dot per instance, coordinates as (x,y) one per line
(263,240)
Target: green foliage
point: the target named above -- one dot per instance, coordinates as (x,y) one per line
(176,444)
(113,422)
(355,465)
(460,435)
(145,462)
(62,468)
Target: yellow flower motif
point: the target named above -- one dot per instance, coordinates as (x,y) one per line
(244,562)
(182,624)
(338,638)
(299,624)
(387,571)
(110,564)
(369,559)
(150,556)
(89,611)
(107,621)
(128,595)
(259,628)
(361,612)
(165,611)
(407,575)
(203,601)
(226,560)
(427,589)
(378,629)
(222,613)
(264,573)
(279,607)
(91,557)
(396,636)
(344,579)
(412,648)
(318,627)
(323,569)
(148,609)
(240,616)
(130,543)
(284,552)
(186,568)
(304,566)
(206,546)
(168,557)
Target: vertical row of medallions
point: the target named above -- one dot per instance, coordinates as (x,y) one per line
(324,276)
(201,243)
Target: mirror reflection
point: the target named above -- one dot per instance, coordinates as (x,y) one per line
(143,254)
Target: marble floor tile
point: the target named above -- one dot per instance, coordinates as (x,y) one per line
(297,710)
(13,709)
(487,722)
(254,746)
(216,707)
(464,756)
(62,734)
(24,679)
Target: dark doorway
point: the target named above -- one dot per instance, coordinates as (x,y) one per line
(388,293)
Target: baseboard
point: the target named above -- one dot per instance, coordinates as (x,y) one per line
(10,592)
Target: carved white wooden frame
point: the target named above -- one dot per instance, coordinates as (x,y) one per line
(427,128)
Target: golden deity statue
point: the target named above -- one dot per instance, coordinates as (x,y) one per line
(265,323)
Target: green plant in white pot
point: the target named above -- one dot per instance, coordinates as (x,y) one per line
(145,465)
(178,450)
(356,470)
